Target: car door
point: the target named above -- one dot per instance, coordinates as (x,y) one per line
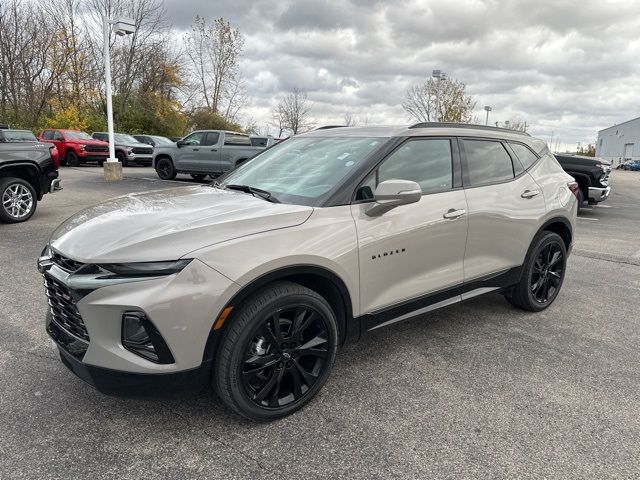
(412,252)
(58,140)
(505,205)
(235,148)
(207,157)
(187,154)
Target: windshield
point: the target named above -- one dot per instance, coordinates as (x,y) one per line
(161,140)
(77,135)
(302,170)
(18,136)
(123,138)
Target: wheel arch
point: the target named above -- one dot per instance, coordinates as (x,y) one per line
(26,171)
(319,279)
(562,227)
(583,182)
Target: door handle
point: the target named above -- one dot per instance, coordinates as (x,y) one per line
(214,149)
(196,149)
(530,193)
(453,213)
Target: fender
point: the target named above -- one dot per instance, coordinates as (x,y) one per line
(347,325)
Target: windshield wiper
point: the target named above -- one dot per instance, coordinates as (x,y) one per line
(254,191)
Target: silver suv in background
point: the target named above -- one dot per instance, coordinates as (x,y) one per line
(253,282)
(204,152)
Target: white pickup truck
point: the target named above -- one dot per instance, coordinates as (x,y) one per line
(202,153)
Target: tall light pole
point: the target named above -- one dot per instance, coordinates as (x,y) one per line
(439,75)
(121,27)
(487,109)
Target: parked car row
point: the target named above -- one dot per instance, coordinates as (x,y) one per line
(630,165)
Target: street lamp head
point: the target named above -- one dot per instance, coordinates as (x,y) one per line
(436,73)
(124,26)
(487,108)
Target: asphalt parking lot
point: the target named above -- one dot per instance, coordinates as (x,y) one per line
(478,390)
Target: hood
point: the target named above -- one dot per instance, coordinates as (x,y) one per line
(168,224)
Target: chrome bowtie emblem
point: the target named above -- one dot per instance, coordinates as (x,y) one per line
(286,355)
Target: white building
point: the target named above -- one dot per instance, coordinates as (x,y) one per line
(620,142)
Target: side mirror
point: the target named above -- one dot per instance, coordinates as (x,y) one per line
(393,193)
(179,143)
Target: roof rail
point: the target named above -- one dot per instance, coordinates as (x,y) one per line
(466,125)
(327,127)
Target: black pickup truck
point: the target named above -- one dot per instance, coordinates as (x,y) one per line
(28,170)
(592,175)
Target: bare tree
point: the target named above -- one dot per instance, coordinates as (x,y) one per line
(349,120)
(293,112)
(443,102)
(214,52)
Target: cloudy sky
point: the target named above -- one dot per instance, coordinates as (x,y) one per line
(568,68)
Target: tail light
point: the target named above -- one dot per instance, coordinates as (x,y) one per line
(574,187)
(55,156)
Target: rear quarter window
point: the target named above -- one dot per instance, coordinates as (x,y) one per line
(524,154)
(234,139)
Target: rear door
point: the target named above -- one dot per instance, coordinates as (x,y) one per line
(236,147)
(505,205)
(418,249)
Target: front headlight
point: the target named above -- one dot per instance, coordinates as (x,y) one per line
(129,150)
(82,147)
(151,269)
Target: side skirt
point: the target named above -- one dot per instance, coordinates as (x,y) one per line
(497,282)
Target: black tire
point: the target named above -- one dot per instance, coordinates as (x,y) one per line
(198,176)
(580,197)
(542,274)
(263,373)
(18,200)
(122,159)
(165,169)
(72,159)
(100,163)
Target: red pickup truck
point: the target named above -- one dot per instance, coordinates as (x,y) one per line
(76,147)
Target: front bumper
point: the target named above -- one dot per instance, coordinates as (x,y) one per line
(125,383)
(597,195)
(182,307)
(140,158)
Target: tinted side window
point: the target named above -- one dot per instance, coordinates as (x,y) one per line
(101,136)
(212,138)
(48,135)
(234,139)
(487,162)
(57,136)
(427,162)
(526,156)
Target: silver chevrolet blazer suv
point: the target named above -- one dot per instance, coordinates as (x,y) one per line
(251,284)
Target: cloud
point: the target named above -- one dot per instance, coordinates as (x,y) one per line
(566,66)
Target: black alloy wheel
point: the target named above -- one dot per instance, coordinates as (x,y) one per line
(72,159)
(122,159)
(165,169)
(547,273)
(285,356)
(276,352)
(542,275)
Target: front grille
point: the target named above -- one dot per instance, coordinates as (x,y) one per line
(142,150)
(63,309)
(96,148)
(65,263)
